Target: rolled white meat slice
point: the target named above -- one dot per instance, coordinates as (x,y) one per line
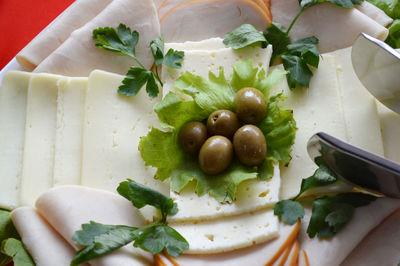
(78,56)
(45,245)
(202,19)
(334,26)
(75,16)
(375,13)
(332,251)
(66,208)
(381,246)
(167,5)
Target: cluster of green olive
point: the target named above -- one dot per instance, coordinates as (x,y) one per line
(216,152)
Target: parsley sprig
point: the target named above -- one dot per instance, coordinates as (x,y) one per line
(98,239)
(329,213)
(124,41)
(297,57)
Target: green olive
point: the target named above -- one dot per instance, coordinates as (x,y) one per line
(215,155)
(191,136)
(250,145)
(223,123)
(250,105)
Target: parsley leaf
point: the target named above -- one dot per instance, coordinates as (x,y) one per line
(135,80)
(299,73)
(156,239)
(124,41)
(322,176)
(304,4)
(99,239)
(14,249)
(331,213)
(306,49)
(243,36)
(172,58)
(141,196)
(276,34)
(289,211)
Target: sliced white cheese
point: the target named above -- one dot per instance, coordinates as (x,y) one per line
(359,107)
(66,208)
(113,125)
(333,250)
(256,255)
(317,108)
(208,44)
(13,94)
(45,245)
(201,62)
(40,134)
(390,125)
(70,106)
(251,195)
(229,233)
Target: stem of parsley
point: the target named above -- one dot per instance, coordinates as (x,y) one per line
(294,21)
(158,77)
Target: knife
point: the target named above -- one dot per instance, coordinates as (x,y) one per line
(377,65)
(355,166)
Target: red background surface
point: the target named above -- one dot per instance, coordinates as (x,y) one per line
(21,21)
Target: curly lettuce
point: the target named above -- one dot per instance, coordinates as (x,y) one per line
(161,150)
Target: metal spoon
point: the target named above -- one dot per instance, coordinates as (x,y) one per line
(356,166)
(377,65)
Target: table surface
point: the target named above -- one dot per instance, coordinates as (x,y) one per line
(21,21)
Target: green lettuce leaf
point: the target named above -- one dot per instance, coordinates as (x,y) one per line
(391,7)
(393,38)
(161,149)
(222,187)
(279,128)
(210,95)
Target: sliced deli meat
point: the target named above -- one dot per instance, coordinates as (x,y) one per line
(66,208)
(334,26)
(75,16)
(332,251)
(382,244)
(375,13)
(202,19)
(43,243)
(78,56)
(167,5)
